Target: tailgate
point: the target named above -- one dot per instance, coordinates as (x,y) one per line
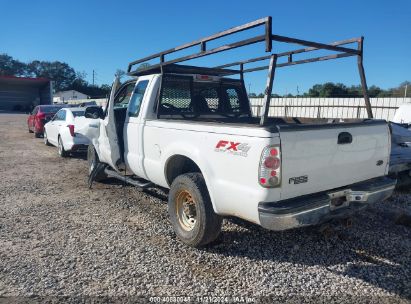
(322,157)
(87,127)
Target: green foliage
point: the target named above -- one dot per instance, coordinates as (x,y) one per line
(9,66)
(60,72)
(331,89)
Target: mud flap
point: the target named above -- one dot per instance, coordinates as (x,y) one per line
(98,168)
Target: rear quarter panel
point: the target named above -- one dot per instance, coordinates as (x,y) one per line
(231,174)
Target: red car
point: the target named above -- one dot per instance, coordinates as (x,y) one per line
(39,116)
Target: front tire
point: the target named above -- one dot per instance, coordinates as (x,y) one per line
(62,152)
(191,212)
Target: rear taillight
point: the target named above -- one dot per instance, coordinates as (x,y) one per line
(41,116)
(269,171)
(71,128)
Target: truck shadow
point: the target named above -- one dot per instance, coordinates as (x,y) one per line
(370,251)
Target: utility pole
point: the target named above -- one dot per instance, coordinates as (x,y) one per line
(93,76)
(249,88)
(405,92)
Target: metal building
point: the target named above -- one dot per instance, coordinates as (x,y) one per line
(21,93)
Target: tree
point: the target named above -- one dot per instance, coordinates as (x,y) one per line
(60,72)
(11,67)
(120,73)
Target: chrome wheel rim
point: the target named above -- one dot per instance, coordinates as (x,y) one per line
(186,210)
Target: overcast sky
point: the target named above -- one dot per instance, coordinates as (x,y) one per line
(107,35)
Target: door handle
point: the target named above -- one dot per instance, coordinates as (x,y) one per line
(344,138)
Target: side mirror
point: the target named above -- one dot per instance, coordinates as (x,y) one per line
(94,112)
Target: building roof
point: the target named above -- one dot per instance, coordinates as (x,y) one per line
(23,80)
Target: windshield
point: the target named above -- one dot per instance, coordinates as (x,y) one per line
(182,96)
(50,109)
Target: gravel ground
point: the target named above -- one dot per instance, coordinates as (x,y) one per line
(58,238)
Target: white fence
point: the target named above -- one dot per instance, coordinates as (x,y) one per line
(382,108)
(99,101)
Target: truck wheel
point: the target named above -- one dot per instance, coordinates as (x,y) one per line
(62,152)
(403,180)
(191,212)
(93,161)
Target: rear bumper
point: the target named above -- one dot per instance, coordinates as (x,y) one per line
(39,128)
(76,144)
(317,208)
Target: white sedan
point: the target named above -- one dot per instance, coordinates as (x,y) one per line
(61,132)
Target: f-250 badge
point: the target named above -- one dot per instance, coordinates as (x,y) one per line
(231,147)
(298,180)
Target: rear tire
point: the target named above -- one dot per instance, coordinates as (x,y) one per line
(191,212)
(61,151)
(46,141)
(30,131)
(93,161)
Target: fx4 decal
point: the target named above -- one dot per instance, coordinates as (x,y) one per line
(231,147)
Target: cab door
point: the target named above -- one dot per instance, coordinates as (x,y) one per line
(107,143)
(110,141)
(133,128)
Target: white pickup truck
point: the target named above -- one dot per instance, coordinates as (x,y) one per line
(191,130)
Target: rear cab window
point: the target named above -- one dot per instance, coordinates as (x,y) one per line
(184,96)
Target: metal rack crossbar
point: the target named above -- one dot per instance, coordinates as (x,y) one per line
(203,44)
(268,38)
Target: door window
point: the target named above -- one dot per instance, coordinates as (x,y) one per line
(123,97)
(137,98)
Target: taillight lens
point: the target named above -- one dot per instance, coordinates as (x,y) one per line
(269,171)
(41,116)
(71,128)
